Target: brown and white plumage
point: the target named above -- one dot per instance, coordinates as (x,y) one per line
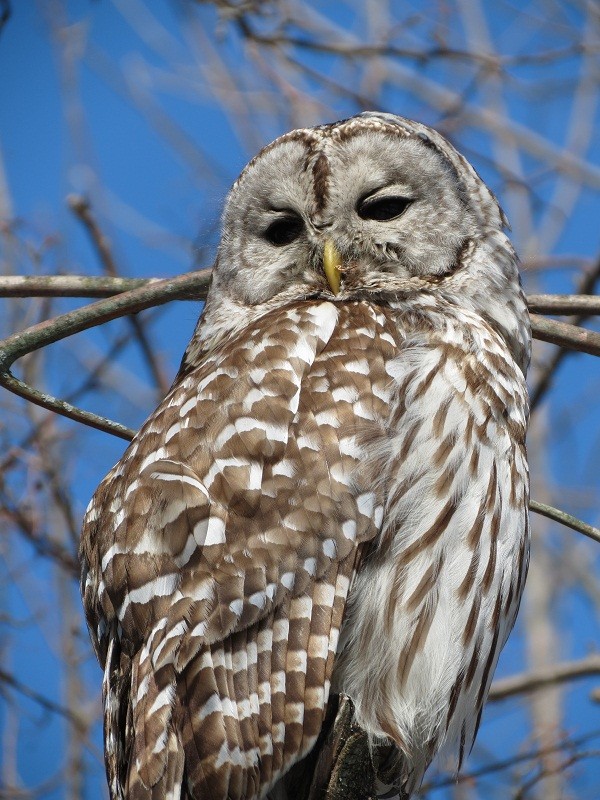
(322,458)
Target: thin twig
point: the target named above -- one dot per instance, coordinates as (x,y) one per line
(588,304)
(509,763)
(549,676)
(72,717)
(106,286)
(5,13)
(81,208)
(565,335)
(68,285)
(586,287)
(565,519)
(44,702)
(191,285)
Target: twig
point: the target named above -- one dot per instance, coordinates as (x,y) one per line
(45,547)
(44,702)
(519,758)
(85,286)
(551,675)
(565,335)
(566,519)
(68,285)
(5,13)
(191,285)
(586,287)
(81,207)
(72,717)
(587,304)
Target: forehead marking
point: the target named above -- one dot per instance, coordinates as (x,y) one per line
(321,172)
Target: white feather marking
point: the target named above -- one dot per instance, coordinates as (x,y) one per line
(173,431)
(212,705)
(310,565)
(278,682)
(164,698)
(359,365)
(112,551)
(279,732)
(159,587)
(199,630)
(288,579)
(281,629)
(329,548)
(236,607)
(284,467)
(348,394)
(325,316)
(318,646)
(188,406)
(294,713)
(258,599)
(270,590)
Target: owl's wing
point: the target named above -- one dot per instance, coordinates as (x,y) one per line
(217,554)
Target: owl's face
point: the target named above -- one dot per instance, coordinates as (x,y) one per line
(390,201)
(393,197)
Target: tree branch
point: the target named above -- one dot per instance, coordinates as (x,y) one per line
(565,519)
(191,285)
(68,285)
(587,304)
(586,286)
(565,335)
(144,293)
(551,675)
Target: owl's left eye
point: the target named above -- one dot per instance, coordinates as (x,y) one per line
(284,230)
(382,209)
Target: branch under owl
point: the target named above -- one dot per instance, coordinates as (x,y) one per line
(106,286)
(125,296)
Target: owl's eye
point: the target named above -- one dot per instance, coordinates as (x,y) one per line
(382,209)
(284,230)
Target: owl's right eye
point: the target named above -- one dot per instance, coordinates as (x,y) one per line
(284,230)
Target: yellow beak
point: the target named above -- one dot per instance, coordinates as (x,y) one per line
(332,261)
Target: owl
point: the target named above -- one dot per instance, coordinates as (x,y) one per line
(332,499)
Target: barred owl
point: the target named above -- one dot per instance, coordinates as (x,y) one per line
(331,501)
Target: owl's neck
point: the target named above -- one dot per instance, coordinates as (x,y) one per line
(489,285)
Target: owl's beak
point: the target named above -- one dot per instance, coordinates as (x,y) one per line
(332,261)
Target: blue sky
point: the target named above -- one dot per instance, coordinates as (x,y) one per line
(136,126)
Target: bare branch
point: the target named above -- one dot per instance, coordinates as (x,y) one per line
(565,335)
(587,286)
(68,285)
(71,716)
(145,293)
(80,206)
(587,304)
(548,676)
(566,519)
(190,285)
(509,763)
(5,13)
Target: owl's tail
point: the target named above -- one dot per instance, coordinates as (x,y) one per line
(137,770)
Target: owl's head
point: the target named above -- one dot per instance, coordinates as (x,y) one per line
(394,202)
